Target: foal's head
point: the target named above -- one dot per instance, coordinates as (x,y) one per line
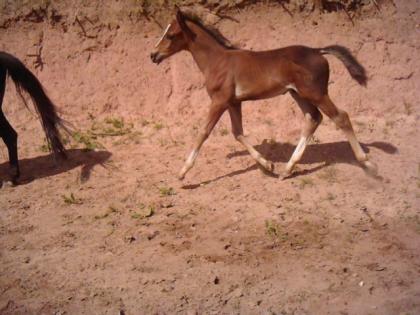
(174,39)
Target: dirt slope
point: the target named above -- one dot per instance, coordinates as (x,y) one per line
(112,229)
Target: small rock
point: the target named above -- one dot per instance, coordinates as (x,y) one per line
(152,235)
(167,205)
(361,284)
(216,280)
(130,239)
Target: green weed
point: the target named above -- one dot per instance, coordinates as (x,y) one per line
(71,199)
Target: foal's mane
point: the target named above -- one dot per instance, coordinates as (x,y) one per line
(211,30)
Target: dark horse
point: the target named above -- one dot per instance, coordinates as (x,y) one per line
(233,76)
(25,80)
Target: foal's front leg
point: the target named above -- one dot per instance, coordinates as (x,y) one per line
(216,110)
(235,112)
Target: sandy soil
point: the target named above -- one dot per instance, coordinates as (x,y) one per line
(112,231)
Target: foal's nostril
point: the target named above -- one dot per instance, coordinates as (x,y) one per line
(156,57)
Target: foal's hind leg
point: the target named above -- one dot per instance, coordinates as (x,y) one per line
(313,118)
(7,133)
(235,111)
(342,120)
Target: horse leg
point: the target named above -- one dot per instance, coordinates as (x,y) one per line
(312,119)
(216,111)
(9,136)
(7,133)
(235,112)
(342,120)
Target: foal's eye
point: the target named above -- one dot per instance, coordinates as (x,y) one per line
(170,36)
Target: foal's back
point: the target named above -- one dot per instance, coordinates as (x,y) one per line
(273,72)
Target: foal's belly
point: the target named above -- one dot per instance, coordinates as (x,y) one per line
(244,92)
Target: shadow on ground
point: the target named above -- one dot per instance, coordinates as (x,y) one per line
(46,166)
(326,153)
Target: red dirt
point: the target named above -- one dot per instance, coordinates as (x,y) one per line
(229,239)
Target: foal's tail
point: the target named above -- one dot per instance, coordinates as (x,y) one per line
(356,70)
(25,80)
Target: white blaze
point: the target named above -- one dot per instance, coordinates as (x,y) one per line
(164,33)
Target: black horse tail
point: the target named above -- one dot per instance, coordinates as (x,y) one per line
(25,80)
(356,70)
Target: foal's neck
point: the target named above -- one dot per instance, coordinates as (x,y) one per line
(205,50)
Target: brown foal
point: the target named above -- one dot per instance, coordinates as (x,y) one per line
(235,75)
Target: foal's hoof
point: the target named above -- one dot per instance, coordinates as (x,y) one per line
(288,173)
(289,170)
(269,166)
(370,168)
(7,183)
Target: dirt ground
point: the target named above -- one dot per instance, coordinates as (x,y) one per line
(112,230)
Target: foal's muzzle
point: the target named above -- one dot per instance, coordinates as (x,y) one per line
(156,57)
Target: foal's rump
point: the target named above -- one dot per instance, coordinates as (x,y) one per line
(311,59)
(311,69)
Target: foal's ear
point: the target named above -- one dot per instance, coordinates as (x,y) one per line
(180,17)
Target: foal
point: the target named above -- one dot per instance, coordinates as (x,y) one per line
(235,75)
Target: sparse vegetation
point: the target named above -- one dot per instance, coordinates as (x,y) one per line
(144,212)
(272,228)
(89,141)
(408,108)
(158,125)
(306,182)
(329,174)
(111,209)
(45,148)
(163,142)
(331,196)
(276,231)
(111,127)
(166,191)
(224,132)
(71,199)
